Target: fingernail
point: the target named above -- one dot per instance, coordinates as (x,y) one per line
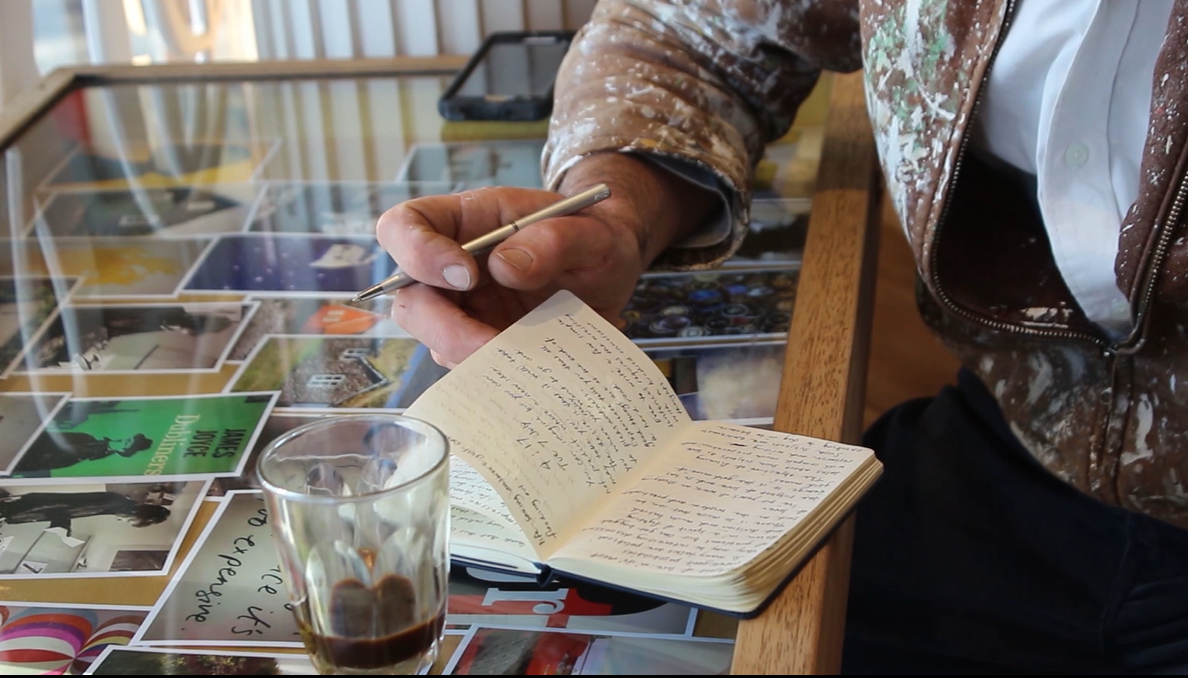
(456,276)
(518,258)
(440,360)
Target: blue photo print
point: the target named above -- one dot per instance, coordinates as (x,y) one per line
(334,208)
(291,264)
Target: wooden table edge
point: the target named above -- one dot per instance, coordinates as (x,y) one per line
(824,382)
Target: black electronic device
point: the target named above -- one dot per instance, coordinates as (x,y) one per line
(510,77)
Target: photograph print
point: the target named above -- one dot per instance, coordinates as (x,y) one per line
(725,382)
(291,263)
(107,267)
(26,304)
(711,305)
(179,211)
(174,437)
(775,236)
(316,315)
(156,661)
(160,164)
(253,608)
(480,597)
(61,639)
(339,371)
(138,337)
(113,529)
(22,416)
(334,208)
(788,168)
(182,617)
(475,164)
(277,424)
(553,652)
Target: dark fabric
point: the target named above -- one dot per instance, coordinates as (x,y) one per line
(970,557)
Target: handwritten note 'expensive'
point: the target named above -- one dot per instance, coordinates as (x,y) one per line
(230,591)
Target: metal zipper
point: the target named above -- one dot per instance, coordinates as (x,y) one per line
(1167,229)
(943,296)
(1134,341)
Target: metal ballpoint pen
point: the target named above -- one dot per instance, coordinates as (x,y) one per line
(484,243)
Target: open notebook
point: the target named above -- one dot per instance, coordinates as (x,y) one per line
(573,456)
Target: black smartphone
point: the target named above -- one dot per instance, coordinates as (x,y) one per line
(510,77)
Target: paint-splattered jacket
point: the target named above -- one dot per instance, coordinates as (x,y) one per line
(712,81)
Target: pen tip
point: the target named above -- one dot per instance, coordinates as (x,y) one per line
(369,293)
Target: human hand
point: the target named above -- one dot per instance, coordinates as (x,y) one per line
(598,253)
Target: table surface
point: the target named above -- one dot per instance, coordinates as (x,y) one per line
(133,208)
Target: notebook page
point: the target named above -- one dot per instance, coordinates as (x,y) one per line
(725,495)
(554,413)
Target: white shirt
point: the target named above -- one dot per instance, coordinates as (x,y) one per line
(1068,100)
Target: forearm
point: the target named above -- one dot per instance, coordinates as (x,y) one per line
(658,206)
(670,80)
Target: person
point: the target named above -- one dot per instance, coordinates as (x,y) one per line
(62,449)
(1030,518)
(59,509)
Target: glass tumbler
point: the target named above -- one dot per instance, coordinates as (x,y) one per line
(359,506)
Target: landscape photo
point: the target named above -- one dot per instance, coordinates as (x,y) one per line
(311,371)
(316,315)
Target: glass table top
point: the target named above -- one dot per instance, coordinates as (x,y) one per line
(175,279)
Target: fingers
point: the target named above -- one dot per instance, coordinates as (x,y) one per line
(427,254)
(440,360)
(542,253)
(424,235)
(434,320)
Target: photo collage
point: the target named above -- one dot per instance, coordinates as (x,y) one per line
(168,314)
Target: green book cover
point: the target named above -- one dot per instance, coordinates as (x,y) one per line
(183,436)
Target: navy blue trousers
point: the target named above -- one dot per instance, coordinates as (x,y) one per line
(969,557)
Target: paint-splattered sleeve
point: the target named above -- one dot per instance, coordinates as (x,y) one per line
(707,82)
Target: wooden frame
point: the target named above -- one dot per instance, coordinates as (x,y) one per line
(824,378)
(824,382)
(28,106)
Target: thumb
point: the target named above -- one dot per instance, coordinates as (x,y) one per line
(424,235)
